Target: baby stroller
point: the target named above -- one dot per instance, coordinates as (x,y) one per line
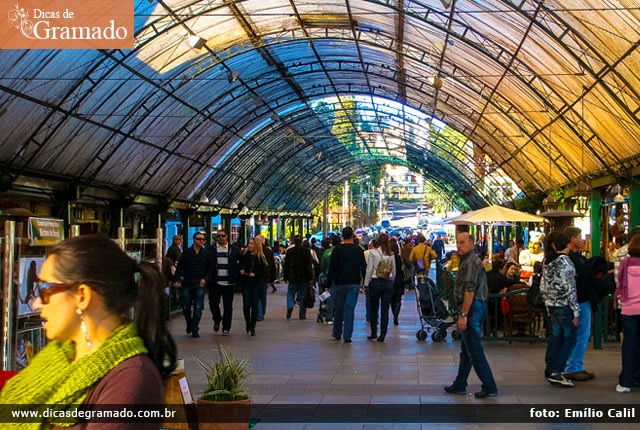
(433,312)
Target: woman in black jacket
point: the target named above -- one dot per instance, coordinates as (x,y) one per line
(253,264)
(398,283)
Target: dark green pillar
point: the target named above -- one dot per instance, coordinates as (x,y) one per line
(596,236)
(634,204)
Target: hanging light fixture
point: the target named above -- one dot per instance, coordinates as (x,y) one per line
(197,42)
(583,189)
(619,198)
(549,203)
(583,194)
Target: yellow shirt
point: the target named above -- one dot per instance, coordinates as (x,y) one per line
(418,251)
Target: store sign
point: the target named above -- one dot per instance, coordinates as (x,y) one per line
(66,24)
(45,231)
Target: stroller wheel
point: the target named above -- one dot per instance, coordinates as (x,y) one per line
(456,335)
(438,336)
(422,335)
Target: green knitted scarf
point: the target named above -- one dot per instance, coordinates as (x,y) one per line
(53,378)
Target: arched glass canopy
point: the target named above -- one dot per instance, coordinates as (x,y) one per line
(287,97)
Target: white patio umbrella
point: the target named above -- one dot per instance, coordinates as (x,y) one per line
(449,221)
(495,213)
(492,215)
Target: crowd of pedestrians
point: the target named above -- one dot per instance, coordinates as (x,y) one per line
(342,269)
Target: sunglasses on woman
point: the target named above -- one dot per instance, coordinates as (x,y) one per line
(47,289)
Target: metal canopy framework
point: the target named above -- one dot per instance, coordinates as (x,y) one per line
(287,96)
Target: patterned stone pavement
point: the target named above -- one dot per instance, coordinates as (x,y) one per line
(297,363)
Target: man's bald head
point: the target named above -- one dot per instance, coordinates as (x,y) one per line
(464,242)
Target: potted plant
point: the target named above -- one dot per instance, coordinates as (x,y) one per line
(225,404)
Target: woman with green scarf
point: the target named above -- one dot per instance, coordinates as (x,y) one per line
(97,355)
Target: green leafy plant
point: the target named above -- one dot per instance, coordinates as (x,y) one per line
(226,378)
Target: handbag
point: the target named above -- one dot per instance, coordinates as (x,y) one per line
(420,264)
(407,272)
(505,306)
(310,299)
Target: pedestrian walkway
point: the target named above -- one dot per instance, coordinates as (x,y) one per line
(297,362)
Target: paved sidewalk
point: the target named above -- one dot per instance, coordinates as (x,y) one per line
(297,362)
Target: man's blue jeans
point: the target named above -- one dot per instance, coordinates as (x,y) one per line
(630,351)
(345,299)
(575,362)
(562,340)
(472,352)
(192,296)
(297,289)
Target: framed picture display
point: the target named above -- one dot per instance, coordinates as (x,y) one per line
(28,343)
(27,279)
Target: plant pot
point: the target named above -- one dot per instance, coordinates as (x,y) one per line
(232,415)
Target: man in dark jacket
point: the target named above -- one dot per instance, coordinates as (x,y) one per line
(175,250)
(298,272)
(194,267)
(587,297)
(346,269)
(438,246)
(225,258)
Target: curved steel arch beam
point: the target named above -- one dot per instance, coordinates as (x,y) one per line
(354,38)
(506,111)
(296,118)
(294,101)
(244,156)
(411,13)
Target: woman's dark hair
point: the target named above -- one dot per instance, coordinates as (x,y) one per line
(634,246)
(561,241)
(98,262)
(549,251)
(383,244)
(508,266)
(395,249)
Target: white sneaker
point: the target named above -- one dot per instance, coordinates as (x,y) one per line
(621,389)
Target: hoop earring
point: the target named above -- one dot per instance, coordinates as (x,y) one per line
(83,327)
